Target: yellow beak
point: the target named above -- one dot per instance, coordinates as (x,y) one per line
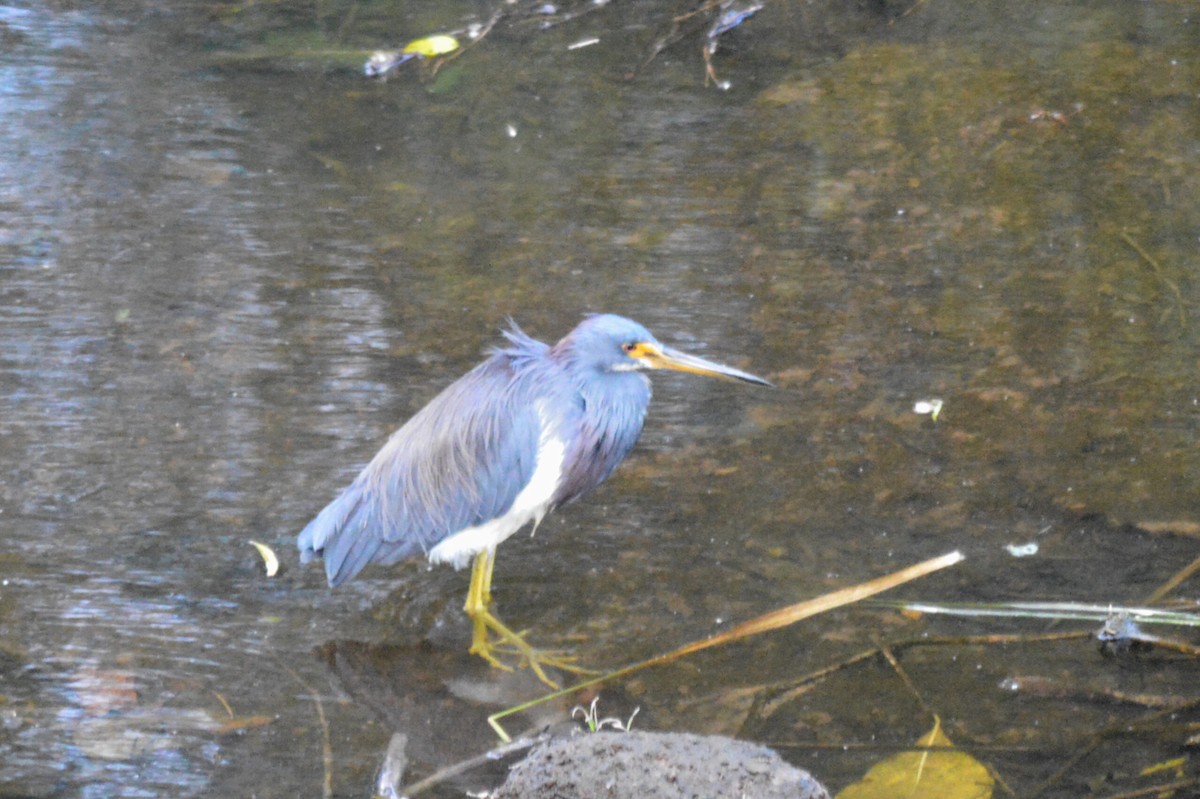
(655,356)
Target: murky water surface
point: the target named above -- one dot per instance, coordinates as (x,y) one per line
(230,265)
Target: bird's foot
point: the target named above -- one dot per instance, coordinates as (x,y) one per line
(505,642)
(538,660)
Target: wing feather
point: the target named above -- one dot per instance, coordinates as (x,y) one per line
(458,462)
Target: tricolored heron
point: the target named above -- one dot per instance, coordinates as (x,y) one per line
(531,428)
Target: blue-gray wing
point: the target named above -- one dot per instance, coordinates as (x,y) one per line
(458,462)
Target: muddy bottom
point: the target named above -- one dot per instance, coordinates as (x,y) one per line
(651,765)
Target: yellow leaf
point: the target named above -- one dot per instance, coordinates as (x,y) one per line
(269,560)
(430,46)
(925,775)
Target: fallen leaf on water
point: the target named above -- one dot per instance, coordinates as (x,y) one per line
(930,774)
(430,46)
(269,560)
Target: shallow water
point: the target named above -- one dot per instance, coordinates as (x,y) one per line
(229,266)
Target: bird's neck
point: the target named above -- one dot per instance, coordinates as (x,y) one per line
(615,396)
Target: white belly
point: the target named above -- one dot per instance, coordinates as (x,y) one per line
(529,506)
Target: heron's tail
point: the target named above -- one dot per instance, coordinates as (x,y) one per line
(349,534)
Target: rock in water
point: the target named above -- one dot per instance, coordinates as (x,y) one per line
(650,765)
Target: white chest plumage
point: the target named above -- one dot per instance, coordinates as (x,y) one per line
(530,505)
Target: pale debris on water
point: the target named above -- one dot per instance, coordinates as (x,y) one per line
(932,407)
(395,763)
(1022,550)
(378,64)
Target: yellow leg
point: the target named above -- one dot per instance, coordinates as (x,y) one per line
(479,600)
(485,585)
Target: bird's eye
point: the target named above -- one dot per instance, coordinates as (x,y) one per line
(628,347)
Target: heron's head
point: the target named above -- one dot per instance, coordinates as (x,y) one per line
(609,343)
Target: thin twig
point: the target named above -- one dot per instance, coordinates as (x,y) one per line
(907,11)
(1117,729)
(859,746)
(674,34)
(793,688)
(492,755)
(570,16)
(326,744)
(1160,273)
(479,37)
(1073,761)
(660,44)
(886,651)
(703,9)
(224,704)
(1157,790)
(1171,584)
